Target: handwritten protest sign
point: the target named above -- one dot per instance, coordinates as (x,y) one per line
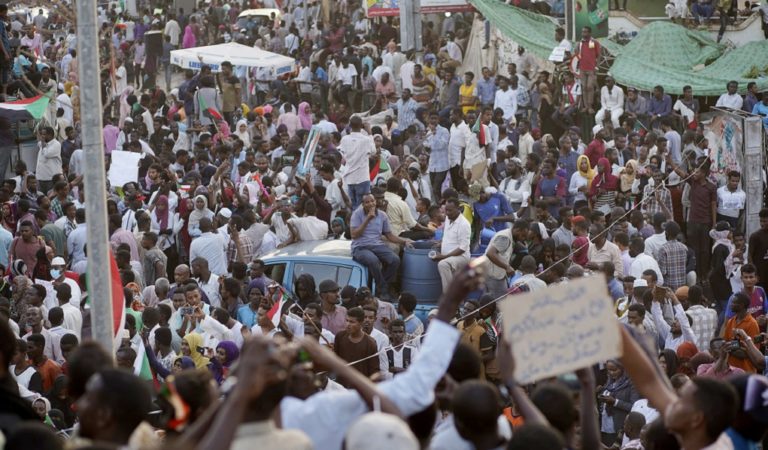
(123,168)
(561,328)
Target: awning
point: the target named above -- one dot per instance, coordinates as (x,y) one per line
(237,54)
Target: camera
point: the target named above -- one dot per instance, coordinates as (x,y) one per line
(732,345)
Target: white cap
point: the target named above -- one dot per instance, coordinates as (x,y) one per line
(640,282)
(58,261)
(379,431)
(225,212)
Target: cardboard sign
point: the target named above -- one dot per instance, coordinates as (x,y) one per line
(124,168)
(560,329)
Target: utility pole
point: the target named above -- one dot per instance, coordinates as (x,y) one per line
(99,281)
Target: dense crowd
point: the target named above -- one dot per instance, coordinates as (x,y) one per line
(519,177)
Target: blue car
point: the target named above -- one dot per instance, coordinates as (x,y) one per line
(332,260)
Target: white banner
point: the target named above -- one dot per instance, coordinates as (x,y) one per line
(560,329)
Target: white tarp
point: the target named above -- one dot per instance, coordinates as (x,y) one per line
(237,54)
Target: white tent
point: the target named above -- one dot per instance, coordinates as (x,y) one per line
(237,54)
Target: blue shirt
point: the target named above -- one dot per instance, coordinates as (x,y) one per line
(320,75)
(406,113)
(372,234)
(496,205)
(486,90)
(660,107)
(568,162)
(246,316)
(437,142)
(6,238)
(739,441)
(762,109)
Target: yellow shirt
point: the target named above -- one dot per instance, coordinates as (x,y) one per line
(467,94)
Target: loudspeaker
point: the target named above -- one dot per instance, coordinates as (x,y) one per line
(154,43)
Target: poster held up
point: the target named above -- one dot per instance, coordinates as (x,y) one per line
(124,168)
(560,329)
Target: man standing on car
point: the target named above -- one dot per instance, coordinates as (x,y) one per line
(368,225)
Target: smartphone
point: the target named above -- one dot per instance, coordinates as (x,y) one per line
(186,310)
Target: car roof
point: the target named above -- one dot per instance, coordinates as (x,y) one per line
(259,12)
(334,248)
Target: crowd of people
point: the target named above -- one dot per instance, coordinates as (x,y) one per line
(519,178)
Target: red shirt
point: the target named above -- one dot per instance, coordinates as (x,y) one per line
(588,52)
(595,150)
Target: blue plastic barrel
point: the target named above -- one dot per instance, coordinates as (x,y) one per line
(420,276)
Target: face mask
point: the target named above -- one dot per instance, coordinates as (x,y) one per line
(55,273)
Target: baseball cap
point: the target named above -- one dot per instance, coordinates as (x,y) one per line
(58,261)
(328,286)
(379,431)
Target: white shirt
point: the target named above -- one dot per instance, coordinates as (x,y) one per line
(566,44)
(727,100)
(213,248)
(356,147)
(382,342)
(310,228)
(76,244)
(456,235)
(211,289)
(654,243)
(643,262)
(214,332)
(453,50)
(507,101)
(406,74)
(457,143)
(730,203)
(347,74)
(73,319)
(397,355)
(612,100)
(121,79)
(334,197)
(641,406)
(326,416)
(305,75)
(48,160)
(672,342)
(173,30)
(291,43)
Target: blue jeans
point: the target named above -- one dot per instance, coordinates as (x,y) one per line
(357,191)
(376,258)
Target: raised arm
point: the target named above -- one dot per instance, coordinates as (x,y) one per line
(645,378)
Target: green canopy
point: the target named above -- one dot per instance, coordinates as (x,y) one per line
(662,53)
(672,56)
(533,31)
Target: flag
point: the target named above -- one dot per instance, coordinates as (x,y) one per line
(141,363)
(213,113)
(308,151)
(276,311)
(481,131)
(382,166)
(25,109)
(118,300)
